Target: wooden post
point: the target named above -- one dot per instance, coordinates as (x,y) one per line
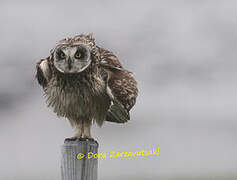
(75,164)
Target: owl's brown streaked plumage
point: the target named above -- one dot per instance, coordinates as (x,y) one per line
(86,83)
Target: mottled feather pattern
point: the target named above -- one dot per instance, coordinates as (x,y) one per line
(109,59)
(121,82)
(75,98)
(124,88)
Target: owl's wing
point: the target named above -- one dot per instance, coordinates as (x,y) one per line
(43,72)
(121,87)
(108,59)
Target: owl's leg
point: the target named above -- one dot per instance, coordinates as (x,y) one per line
(78,131)
(82,131)
(87,129)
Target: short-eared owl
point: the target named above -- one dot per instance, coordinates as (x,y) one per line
(86,83)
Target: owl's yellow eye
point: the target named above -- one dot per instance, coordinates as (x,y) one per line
(77,55)
(62,55)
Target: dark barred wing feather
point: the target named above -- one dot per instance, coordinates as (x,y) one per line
(121,87)
(43,72)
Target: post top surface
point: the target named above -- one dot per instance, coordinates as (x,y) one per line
(79,142)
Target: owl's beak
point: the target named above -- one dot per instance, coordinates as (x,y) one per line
(69,63)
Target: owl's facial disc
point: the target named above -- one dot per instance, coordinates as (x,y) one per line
(72,59)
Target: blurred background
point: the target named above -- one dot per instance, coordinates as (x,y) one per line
(183,53)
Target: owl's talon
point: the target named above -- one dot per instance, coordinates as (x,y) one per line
(90,139)
(71,139)
(87,139)
(82,139)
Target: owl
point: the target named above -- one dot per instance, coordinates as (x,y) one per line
(86,84)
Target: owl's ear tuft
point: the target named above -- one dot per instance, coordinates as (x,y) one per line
(90,36)
(51,51)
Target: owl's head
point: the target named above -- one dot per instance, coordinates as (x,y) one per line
(73,55)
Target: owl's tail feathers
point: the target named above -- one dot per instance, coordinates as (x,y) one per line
(117,114)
